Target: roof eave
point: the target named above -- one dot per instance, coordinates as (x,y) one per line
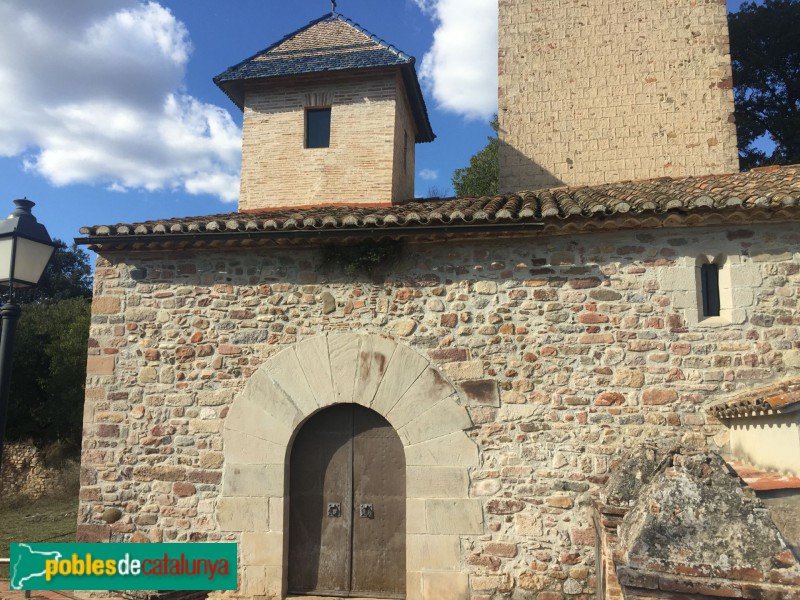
(417,101)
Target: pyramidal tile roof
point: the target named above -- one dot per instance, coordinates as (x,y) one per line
(329,44)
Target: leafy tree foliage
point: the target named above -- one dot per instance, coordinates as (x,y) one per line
(49,371)
(481,176)
(765,51)
(47,386)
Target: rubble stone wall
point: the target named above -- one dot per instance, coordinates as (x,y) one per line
(564,350)
(620,90)
(23,473)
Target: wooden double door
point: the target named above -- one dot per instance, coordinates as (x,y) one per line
(347,506)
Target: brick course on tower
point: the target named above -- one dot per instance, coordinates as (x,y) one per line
(604,91)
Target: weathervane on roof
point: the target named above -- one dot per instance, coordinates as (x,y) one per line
(333,6)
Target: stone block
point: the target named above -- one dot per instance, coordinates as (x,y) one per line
(251,414)
(246,449)
(433,553)
(312,354)
(253,480)
(277,509)
(482,392)
(374,357)
(403,370)
(159,473)
(470,369)
(88,533)
(443,419)
(437,482)
(528,525)
(486,288)
(100,365)
(445,586)
(106,305)
(343,350)
(415,516)
(258,581)
(657,396)
(402,327)
(429,389)
(456,449)
(791,358)
(211,460)
(745,276)
(261,549)
(458,517)
(284,369)
(678,279)
(413,585)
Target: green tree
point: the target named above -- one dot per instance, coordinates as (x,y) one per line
(481,176)
(765,52)
(46,400)
(47,386)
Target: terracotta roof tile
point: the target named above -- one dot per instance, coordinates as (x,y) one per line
(778,396)
(773,188)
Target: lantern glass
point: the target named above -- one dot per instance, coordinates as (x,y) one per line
(6,252)
(30,261)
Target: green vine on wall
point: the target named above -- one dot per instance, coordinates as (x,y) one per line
(362,258)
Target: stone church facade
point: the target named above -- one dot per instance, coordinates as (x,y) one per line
(515,349)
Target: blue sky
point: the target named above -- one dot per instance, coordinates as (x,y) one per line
(109,113)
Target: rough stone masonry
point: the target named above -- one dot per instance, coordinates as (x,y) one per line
(564,352)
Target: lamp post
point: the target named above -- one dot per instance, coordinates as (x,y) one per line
(25,250)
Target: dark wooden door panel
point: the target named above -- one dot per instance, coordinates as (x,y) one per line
(321,474)
(349,456)
(378,483)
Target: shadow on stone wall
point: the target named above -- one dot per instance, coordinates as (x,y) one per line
(518,172)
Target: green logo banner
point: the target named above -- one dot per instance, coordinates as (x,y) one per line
(123,566)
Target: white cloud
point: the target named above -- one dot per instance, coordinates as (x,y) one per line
(461,66)
(428,174)
(92,92)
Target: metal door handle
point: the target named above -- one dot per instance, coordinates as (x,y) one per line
(334,510)
(367,511)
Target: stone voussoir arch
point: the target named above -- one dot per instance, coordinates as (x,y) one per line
(402,386)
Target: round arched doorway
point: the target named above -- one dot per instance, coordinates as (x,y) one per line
(347,488)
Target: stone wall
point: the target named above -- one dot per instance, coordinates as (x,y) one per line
(596,92)
(358,167)
(581,348)
(23,473)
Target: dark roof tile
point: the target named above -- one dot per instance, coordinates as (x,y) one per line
(329,44)
(774,188)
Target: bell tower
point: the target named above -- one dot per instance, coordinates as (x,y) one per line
(331,116)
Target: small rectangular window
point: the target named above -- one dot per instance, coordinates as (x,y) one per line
(318,127)
(709,280)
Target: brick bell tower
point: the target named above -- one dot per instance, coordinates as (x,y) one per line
(331,116)
(610,90)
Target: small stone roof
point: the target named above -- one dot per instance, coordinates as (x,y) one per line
(332,43)
(773,188)
(778,396)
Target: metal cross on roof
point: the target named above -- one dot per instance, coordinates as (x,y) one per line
(333,6)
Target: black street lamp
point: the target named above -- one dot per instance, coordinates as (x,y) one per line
(25,250)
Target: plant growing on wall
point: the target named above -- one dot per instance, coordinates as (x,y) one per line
(363,258)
